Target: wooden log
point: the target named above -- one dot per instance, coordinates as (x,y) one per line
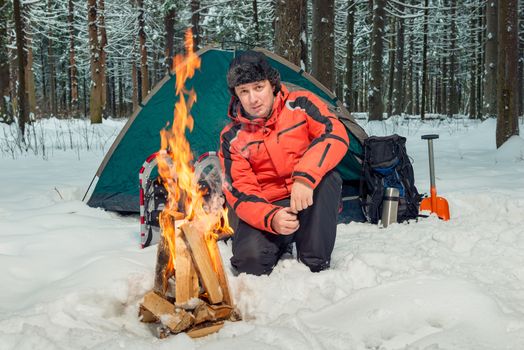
(206,312)
(177,320)
(162,274)
(199,252)
(205,329)
(146,316)
(214,252)
(187,284)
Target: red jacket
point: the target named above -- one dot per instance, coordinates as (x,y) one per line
(261,158)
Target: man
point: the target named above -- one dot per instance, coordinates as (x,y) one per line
(277,154)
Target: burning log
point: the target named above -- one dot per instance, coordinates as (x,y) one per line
(199,252)
(187,286)
(219,269)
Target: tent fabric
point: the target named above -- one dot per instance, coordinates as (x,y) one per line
(116,181)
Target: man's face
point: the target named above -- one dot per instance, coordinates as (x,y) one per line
(256,98)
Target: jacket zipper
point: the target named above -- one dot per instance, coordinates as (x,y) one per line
(289,129)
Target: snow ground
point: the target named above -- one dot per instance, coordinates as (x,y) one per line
(72,276)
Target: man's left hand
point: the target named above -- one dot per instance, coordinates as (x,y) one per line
(301,196)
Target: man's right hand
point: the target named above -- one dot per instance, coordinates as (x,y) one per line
(285,222)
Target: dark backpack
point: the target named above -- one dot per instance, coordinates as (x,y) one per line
(386,164)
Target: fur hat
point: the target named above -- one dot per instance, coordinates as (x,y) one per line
(249,67)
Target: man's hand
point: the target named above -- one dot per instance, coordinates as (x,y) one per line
(301,196)
(285,222)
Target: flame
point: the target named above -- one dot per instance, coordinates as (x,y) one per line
(174,165)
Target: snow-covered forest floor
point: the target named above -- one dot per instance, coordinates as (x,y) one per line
(72,276)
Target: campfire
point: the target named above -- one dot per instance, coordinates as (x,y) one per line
(191,292)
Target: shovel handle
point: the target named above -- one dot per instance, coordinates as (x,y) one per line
(430,138)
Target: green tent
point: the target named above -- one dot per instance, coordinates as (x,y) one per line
(116,186)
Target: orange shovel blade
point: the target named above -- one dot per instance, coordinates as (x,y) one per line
(437,205)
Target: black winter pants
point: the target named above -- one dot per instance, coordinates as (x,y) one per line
(257,252)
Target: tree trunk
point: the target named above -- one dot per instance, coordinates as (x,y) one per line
(424,61)
(444,88)
(349,96)
(30,77)
(255,21)
(134,77)
(121,107)
(323,47)
(44,107)
(144,69)
(103,54)
(51,63)
(399,68)
(304,37)
(472,77)
(376,103)
(112,90)
(391,62)
(195,23)
(5,114)
(408,104)
(453,89)
(480,63)
(521,60)
(438,95)
(169,28)
(287,30)
(490,70)
(23,114)
(507,79)
(95,97)
(73,75)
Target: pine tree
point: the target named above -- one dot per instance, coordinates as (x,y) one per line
(323,46)
(287,30)
(490,70)
(507,72)
(5,113)
(376,103)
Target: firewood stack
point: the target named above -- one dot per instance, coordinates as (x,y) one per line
(193,296)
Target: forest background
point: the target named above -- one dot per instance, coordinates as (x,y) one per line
(428,58)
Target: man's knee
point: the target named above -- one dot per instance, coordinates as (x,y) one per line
(254,261)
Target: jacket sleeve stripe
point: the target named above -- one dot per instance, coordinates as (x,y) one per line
(324,155)
(268,215)
(312,110)
(242,197)
(251,143)
(305,175)
(336,137)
